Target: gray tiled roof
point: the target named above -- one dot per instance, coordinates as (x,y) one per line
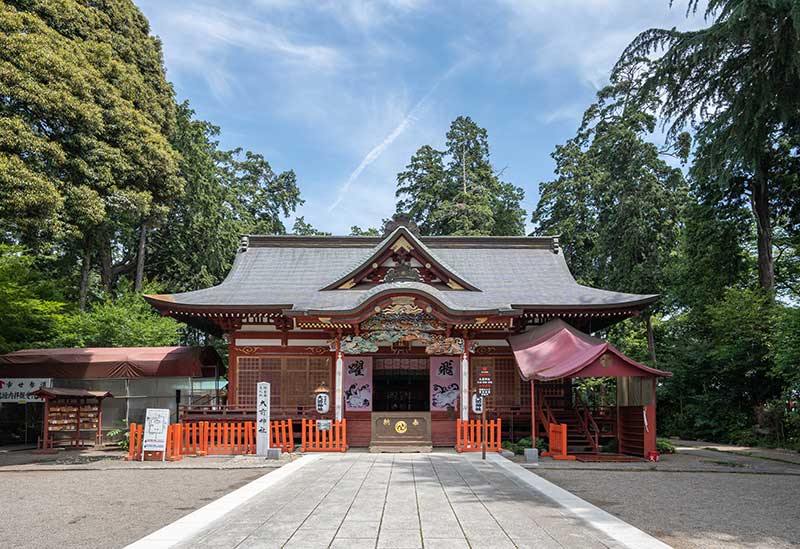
(289,272)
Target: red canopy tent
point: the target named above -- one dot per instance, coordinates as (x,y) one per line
(556,350)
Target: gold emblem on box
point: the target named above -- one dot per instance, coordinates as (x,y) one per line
(415,422)
(386,421)
(401,427)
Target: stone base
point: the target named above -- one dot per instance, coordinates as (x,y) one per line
(402,449)
(532,455)
(272,453)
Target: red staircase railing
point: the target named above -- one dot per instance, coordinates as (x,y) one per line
(557,442)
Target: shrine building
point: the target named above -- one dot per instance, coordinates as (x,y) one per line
(398,326)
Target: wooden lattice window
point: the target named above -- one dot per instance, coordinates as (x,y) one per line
(508,387)
(292,379)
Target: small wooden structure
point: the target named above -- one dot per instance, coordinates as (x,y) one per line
(68,413)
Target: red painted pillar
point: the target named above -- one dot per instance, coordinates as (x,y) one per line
(650,422)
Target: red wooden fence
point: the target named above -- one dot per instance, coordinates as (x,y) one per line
(315,440)
(212,438)
(469,436)
(173,452)
(557,445)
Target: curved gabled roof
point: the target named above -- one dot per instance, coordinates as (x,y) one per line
(293,273)
(557,350)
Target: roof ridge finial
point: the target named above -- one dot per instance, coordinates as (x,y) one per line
(400,219)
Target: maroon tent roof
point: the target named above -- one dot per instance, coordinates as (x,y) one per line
(112,362)
(556,350)
(57,392)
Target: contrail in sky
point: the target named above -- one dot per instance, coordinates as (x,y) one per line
(376,151)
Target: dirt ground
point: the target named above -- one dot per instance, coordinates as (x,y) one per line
(104,508)
(705,496)
(95,498)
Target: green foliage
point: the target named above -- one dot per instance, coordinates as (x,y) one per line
(457,191)
(228,193)
(26,314)
(616,202)
(86,114)
(519,447)
(301,227)
(663,446)
(127,321)
(735,83)
(355,230)
(123,435)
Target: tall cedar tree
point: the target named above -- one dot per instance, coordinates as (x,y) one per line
(736,83)
(228,193)
(615,202)
(457,191)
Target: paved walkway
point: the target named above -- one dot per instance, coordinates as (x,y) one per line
(404,500)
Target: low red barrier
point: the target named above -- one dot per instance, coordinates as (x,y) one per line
(173,452)
(282,435)
(469,436)
(557,445)
(211,438)
(315,440)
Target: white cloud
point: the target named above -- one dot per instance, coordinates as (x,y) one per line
(408,120)
(582,36)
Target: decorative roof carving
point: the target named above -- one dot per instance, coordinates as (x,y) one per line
(402,257)
(400,220)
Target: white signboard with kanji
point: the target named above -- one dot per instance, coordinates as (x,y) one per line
(19,389)
(262,418)
(484,382)
(156,424)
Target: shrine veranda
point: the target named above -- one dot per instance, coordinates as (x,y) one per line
(398,326)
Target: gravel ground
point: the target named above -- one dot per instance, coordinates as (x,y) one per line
(695,509)
(104,508)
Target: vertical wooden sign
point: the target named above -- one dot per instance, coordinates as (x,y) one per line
(262,418)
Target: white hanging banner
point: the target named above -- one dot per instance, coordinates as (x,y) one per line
(262,418)
(358,383)
(464,387)
(445,378)
(338,388)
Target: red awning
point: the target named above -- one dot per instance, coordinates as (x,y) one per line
(112,362)
(556,350)
(61,392)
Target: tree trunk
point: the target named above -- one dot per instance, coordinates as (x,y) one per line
(139,278)
(651,342)
(106,265)
(759,201)
(86,266)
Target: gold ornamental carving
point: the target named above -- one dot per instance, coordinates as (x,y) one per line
(401,427)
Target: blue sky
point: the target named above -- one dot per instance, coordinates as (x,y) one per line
(345,92)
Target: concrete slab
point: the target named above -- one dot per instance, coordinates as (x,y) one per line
(405,501)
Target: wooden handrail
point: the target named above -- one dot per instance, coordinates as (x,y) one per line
(587,420)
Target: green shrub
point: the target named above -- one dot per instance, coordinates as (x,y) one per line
(124,434)
(663,446)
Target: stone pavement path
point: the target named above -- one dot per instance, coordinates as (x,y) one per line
(397,501)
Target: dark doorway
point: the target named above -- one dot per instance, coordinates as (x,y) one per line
(401,385)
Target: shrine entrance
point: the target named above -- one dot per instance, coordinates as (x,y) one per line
(401,419)
(401,385)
